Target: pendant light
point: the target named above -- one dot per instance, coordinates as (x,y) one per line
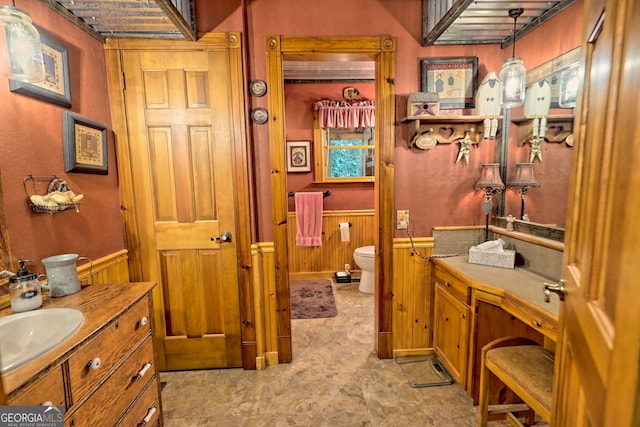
(20,41)
(513,74)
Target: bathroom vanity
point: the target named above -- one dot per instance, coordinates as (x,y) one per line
(103,374)
(476,304)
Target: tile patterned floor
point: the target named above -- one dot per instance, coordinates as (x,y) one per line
(335,380)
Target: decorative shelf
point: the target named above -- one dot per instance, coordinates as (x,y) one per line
(559,127)
(446,129)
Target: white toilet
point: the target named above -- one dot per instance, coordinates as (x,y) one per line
(365,259)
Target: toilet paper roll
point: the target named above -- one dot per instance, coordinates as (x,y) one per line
(344,231)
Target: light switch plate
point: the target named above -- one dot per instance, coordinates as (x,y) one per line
(402,219)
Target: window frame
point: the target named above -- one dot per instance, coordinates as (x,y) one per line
(320,151)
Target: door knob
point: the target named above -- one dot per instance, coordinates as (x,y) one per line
(556,288)
(224,237)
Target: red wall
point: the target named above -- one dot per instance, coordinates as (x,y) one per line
(435,189)
(299,99)
(430,184)
(31,141)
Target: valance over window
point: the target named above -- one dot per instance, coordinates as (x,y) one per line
(346,114)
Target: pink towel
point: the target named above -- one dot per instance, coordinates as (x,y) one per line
(309,218)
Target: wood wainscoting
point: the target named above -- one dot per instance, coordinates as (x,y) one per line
(325,260)
(264,282)
(412,296)
(111,268)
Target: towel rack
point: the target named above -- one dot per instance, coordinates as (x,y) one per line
(324,194)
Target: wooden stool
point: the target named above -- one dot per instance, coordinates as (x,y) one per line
(524,367)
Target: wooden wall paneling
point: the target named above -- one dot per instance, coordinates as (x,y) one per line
(270,299)
(325,260)
(411,296)
(265,299)
(112,268)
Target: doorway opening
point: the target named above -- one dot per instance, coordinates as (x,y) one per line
(380,50)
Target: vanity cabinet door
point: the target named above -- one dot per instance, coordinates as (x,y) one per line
(451,332)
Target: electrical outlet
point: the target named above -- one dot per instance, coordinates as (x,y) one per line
(402,220)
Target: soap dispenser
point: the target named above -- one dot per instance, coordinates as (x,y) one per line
(24,288)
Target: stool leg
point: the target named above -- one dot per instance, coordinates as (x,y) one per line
(483,406)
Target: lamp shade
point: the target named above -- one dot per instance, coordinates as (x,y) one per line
(514,78)
(490,179)
(22,56)
(524,176)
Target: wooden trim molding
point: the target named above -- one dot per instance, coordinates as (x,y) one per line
(412,296)
(383,51)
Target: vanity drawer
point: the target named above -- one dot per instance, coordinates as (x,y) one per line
(49,388)
(542,322)
(454,286)
(108,348)
(113,398)
(146,409)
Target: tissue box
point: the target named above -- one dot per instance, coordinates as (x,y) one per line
(505,259)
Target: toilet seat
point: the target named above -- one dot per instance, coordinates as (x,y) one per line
(366,251)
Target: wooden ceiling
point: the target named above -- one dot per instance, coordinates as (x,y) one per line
(152,19)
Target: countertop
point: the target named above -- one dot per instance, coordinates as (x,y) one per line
(518,282)
(99,304)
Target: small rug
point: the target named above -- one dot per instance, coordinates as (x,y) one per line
(311,299)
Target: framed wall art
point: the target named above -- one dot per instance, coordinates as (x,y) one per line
(298,159)
(55,88)
(455,80)
(85,144)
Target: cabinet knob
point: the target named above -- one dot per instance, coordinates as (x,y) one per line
(143,371)
(143,321)
(94,364)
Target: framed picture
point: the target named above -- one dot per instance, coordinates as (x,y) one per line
(55,87)
(298,159)
(85,144)
(455,80)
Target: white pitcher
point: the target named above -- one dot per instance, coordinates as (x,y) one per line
(62,274)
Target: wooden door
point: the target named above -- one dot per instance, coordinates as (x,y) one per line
(179,120)
(598,351)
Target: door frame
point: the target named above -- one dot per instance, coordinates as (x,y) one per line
(383,51)
(231,42)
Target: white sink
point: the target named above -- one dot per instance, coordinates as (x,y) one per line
(25,336)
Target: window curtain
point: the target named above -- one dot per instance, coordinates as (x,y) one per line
(346,114)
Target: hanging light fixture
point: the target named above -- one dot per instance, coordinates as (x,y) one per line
(491,184)
(21,44)
(513,74)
